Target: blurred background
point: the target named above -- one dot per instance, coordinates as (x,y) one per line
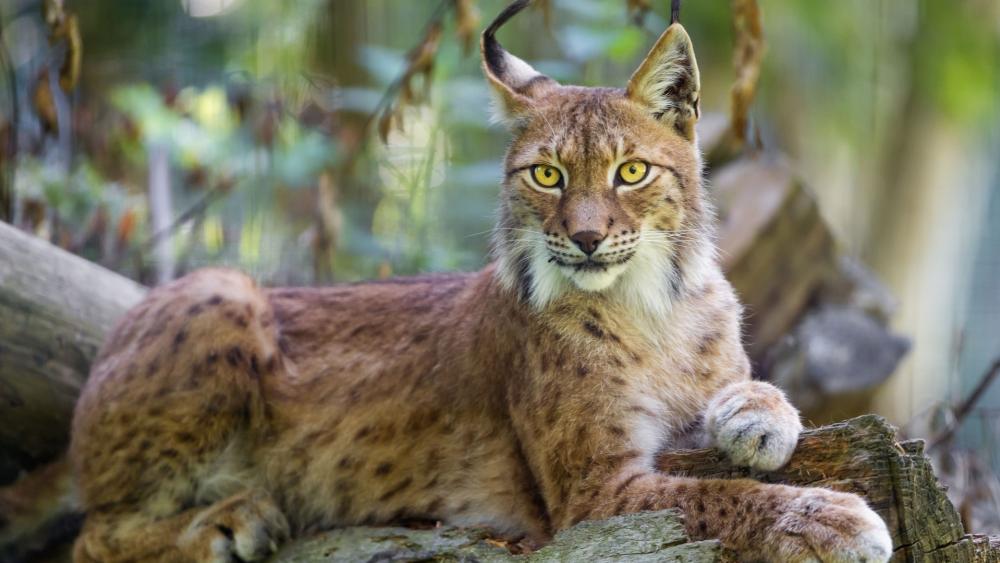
(321,141)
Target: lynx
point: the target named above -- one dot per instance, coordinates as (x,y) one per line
(222,418)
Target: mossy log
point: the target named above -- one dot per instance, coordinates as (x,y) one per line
(633,538)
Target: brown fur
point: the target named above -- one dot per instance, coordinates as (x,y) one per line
(221,417)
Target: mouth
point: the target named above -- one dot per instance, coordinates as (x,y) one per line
(590,265)
(592,275)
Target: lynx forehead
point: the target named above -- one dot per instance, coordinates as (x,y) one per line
(221,418)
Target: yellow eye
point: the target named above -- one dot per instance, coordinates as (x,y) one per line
(632,172)
(546,176)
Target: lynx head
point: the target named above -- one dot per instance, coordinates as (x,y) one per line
(602,186)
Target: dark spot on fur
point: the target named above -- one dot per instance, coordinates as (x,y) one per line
(582,370)
(434,506)
(398,488)
(593,329)
(625,484)
(234,356)
(214,300)
(383,469)
(708,342)
(179,339)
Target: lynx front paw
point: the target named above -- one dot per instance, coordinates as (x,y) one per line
(821,526)
(247,527)
(753,424)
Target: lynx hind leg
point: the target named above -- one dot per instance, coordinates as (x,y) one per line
(174,395)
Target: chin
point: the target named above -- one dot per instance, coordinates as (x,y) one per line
(594,280)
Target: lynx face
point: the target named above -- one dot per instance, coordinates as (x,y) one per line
(601,185)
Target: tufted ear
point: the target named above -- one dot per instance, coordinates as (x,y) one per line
(667,81)
(514,83)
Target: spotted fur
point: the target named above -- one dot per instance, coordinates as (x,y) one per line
(221,417)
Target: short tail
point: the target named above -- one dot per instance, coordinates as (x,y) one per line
(38,512)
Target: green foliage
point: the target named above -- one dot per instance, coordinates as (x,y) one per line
(255,104)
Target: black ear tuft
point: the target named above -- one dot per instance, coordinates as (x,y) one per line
(514,82)
(493,52)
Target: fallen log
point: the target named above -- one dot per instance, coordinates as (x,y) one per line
(632,538)
(55,309)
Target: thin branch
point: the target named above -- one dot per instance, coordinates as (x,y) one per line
(8,168)
(192,212)
(748,54)
(391,93)
(965,408)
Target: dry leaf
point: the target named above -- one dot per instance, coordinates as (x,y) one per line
(466,23)
(637,10)
(748,54)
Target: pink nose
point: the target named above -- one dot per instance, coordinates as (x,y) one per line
(588,241)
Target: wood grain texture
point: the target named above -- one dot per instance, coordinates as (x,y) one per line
(634,538)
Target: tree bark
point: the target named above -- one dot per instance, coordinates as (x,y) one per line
(55,309)
(633,538)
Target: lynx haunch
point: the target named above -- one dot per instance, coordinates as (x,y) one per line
(222,418)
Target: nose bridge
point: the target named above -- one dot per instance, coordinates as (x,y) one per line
(586,211)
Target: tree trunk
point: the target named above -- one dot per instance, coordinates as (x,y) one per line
(55,309)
